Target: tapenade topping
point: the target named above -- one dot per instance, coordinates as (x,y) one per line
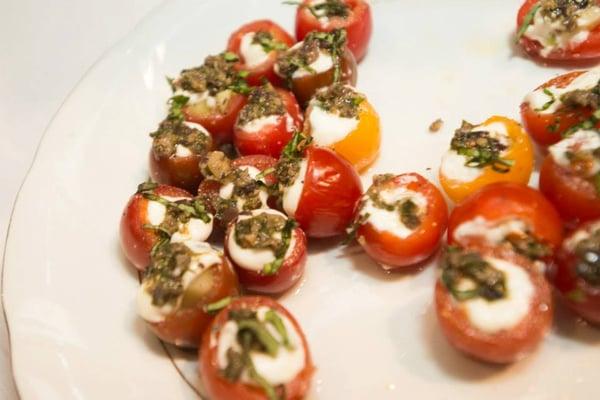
(339,99)
(266,231)
(174,132)
(324,8)
(303,56)
(164,277)
(467,275)
(288,167)
(256,336)
(567,12)
(266,40)
(528,245)
(588,258)
(480,148)
(407,209)
(582,98)
(263,101)
(215,75)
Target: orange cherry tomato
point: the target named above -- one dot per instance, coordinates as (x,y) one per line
(392,249)
(506,345)
(220,388)
(519,153)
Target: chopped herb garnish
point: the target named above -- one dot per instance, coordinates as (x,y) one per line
(528,20)
(327,8)
(266,40)
(529,246)
(176,105)
(217,306)
(549,103)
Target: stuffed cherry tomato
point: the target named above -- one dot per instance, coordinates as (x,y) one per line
(267,122)
(320,60)
(234,186)
(267,250)
(576,273)
(182,282)
(255,350)
(560,30)
(401,220)
(496,151)
(156,213)
(326,15)
(492,304)
(177,148)
(211,95)
(342,119)
(508,214)
(570,175)
(560,104)
(320,190)
(257,44)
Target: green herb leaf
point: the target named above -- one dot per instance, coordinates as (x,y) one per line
(273,318)
(549,103)
(261,334)
(171,82)
(230,57)
(176,105)
(527,21)
(217,306)
(296,146)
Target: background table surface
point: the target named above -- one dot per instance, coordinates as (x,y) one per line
(45,49)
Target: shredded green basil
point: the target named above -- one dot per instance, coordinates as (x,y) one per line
(528,20)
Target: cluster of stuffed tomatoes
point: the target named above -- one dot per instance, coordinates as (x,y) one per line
(260,150)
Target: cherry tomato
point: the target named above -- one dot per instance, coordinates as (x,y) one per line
(575,197)
(271,278)
(576,273)
(273,37)
(329,192)
(360,145)
(218,387)
(354,16)
(136,240)
(501,345)
(420,216)
(547,128)
(268,139)
(184,324)
(516,164)
(587,49)
(507,213)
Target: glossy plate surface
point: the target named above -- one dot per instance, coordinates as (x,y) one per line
(69,293)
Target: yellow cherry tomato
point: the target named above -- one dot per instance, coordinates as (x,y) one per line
(360,145)
(462,174)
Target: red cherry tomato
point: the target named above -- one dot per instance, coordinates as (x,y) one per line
(358,24)
(576,274)
(271,138)
(257,74)
(264,282)
(588,49)
(218,123)
(506,202)
(220,388)
(506,345)
(137,241)
(575,198)
(547,129)
(389,248)
(329,195)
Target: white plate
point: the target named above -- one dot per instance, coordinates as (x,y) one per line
(69,293)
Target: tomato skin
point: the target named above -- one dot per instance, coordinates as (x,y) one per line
(182,172)
(563,275)
(220,125)
(506,200)
(588,49)
(392,251)
(257,74)
(288,274)
(547,129)
(505,346)
(331,191)
(271,139)
(184,328)
(218,388)
(359,25)
(574,197)
(136,241)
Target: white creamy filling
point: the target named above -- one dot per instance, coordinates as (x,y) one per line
(252,53)
(538,99)
(277,370)
(193,97)
(195,229)
(226,191)
(293,193)
(571,242)
(323,63)
(203,257)
(492,232)
(156,212)
(389,221)
(255,259)
(328,128)
(506,313)
(580,141)
(258,124)
(551,34)
(182,151)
